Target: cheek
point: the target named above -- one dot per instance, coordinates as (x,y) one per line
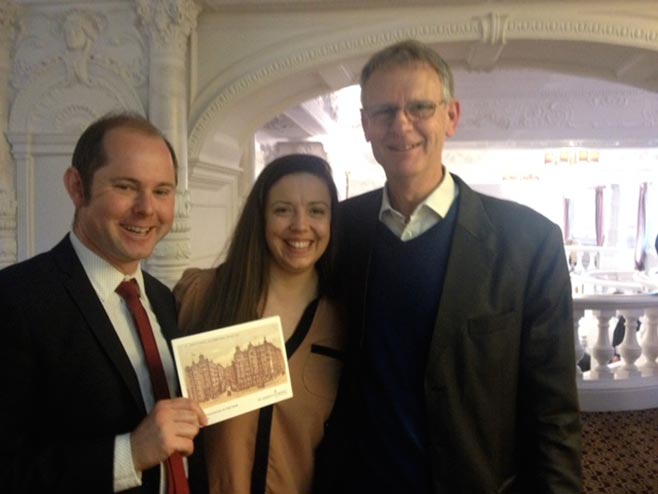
(324,230)
(167,211)
(270,238)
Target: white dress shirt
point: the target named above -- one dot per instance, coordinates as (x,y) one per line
(427,214)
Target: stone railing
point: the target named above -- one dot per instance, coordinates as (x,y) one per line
(585,258)
(597,282)
(623,377)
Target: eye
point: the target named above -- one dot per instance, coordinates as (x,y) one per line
(124,186)
(421,109)
(163,191)
(318,211)
(383,113)
(282,210)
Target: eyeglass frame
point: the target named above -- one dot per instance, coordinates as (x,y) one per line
(384,115)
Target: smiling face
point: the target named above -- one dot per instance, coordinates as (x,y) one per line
(297,222)
(410,151)
(131,204)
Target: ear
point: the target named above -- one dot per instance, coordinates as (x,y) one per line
(73,184)
(365,124)
(454,112)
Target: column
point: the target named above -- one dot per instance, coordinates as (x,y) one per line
(168,24)
(8,20)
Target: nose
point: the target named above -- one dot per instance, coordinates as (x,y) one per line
(299,222)
(144,203)
(401,120)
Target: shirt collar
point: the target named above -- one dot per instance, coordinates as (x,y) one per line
(103,276)
(439,200)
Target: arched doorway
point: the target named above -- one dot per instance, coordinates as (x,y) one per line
(601,44)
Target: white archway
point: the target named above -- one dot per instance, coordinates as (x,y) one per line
(600,41)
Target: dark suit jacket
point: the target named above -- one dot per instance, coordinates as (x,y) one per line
(500,381)
(69,386)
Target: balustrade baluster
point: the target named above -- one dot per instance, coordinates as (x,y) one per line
(629,350)
(602,351)
(650,343)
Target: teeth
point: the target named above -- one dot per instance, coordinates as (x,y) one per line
(404,148)
(137,229)
(302,244)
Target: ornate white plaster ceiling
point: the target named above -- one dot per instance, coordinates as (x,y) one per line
(534,91)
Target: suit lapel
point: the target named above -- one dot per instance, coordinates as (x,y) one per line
(469,268)
(82,295)
(362,217)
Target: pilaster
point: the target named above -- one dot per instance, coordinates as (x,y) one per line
(8,27)
(167,25)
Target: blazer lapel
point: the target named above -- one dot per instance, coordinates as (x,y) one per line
(362,217)
(468,271)
(84,297)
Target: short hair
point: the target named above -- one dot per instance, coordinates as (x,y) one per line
(406,53)
(90,154)
(242,280)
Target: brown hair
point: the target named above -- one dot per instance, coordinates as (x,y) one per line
(89,154)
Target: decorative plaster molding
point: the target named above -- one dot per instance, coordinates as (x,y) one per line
(7,211)
(183,212)
(485,54)
(49,105)
(593,111)
(493,28)
(8,20)
(169,22)
(614,31)
(8,248)
(81,30)
(79,39)
(71,67)
(323,54)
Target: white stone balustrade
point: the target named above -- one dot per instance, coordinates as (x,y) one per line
(625,379)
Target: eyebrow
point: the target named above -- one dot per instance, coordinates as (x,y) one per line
(138,182)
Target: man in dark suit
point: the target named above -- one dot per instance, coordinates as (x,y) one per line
(79,413)
(461,369)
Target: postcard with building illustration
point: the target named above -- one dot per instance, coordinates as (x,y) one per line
(236,369)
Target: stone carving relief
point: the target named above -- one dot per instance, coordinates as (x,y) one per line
(8,29)
(81,30)
(593,111)
(169,22)
(7,228)
(70,67)
(8,20)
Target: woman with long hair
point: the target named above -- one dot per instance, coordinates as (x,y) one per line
(278,263)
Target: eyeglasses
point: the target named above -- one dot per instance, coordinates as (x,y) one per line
(384,115)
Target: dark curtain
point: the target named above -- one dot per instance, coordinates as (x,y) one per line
(598,220)
(567,220)
(640,240)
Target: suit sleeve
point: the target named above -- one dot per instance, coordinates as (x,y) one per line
(549,409)
(39,452)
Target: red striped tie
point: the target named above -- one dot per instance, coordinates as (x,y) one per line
(129,291)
